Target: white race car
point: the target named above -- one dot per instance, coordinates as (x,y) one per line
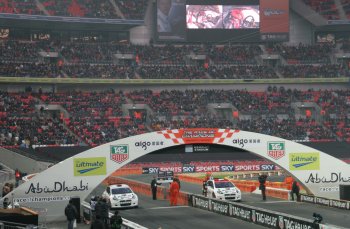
(222,189)
(120,196)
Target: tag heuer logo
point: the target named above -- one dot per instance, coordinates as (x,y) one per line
(119,153)
(253,216)
(276,150)
(280,222)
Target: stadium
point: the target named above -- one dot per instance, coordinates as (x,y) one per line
(110,93)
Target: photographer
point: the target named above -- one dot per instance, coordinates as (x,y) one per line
(262,180)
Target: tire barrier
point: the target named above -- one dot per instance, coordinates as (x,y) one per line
(255,215)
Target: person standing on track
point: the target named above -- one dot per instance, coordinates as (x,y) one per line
(154,187)
(262,180)
(174,193)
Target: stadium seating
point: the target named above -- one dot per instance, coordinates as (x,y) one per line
(327,8)
(78,59)
(95,118)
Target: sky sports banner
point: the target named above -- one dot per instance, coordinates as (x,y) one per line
(209,168)
(254,215)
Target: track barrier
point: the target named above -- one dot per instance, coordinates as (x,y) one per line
(255,215)
(341,204)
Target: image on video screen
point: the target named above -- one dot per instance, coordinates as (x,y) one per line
(204,16)
(241,17)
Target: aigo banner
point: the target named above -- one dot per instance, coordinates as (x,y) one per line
(274,16)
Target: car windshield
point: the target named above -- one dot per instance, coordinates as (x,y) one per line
(224,185)
(121,191)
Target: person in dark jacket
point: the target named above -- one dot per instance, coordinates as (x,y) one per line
(71,213)
(98,223)
(116,221)
(295,190)
(262,180)
(101,210)
(154,186)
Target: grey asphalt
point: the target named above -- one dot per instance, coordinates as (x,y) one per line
(159,215)
(330,215)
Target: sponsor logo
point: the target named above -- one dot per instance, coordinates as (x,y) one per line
(338,204)
(291,224)
(253,216)
(280,222)
(188,169)
(177,169)
(201,148)
(240,212)
(227,168)
(329,189)
(199,134)
(219,208)
(304,161)
(333,178)
(267,167)
(308,199)
(242,142)
(276,150)
(57,186)
(213,168)
(150,170)
(119,153)
(322,201)
(89,166)
(247,168)
(266,219)
(269,12)
(202,203)
(144,145)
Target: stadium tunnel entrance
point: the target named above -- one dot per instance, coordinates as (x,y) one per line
(79,175)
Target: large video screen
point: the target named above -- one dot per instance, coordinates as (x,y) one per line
(222,17)
(222,21)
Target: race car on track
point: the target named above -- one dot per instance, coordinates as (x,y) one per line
(120,196)
(221,189)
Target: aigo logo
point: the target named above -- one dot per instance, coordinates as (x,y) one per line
(276,150)
(304,161)
(145,144)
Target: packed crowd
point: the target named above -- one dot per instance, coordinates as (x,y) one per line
(313,71)
(327,8)
(346,7)
(97,117)
(131,9)
(107,60)
(305,54)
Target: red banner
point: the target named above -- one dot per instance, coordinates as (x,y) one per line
(274,16)
(198,135)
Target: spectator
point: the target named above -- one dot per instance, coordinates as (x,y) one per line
(262,186)
(71,213)
(116,220)
(154,187)
(295,190)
